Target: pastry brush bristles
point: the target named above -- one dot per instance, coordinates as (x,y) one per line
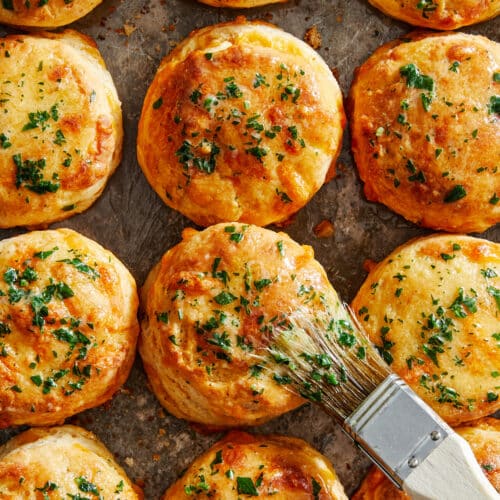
(328,361)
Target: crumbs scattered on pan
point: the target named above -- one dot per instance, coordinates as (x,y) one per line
(369,264)
(128,29)
(313,37)
(324,229)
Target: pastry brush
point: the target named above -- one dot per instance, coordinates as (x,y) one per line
(332,363)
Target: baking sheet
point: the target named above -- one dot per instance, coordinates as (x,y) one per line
(131,220)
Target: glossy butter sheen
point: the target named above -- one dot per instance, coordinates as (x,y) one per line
(209,306)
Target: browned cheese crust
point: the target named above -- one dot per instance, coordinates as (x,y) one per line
(242,122)
(240,4)
(44,13)
(61,462)
(439,14)
(426,129)
(483,437)
(432,307)
(68,326)
(274,467)
(210,306)
(60,127)
(377,486)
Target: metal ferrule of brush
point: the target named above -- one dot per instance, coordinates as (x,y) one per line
(395,429)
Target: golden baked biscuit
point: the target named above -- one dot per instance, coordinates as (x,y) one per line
(210,306)
(426,128)
(240,4)
(68,326)
(432,308)
(229,127)
(483,437)
(439,14)
(60,127)
(61,462)
(377,486)
(44,13)
(275,467)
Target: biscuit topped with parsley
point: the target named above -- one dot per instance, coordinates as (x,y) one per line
(60,127)
(44,13)
(432,309)
(68,326)
(62,462)
(425,122)
(242,122)
(268,467)
(439,14)
(211,308)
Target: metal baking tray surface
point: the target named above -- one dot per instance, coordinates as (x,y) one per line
(131,220)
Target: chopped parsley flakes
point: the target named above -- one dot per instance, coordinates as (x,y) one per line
(246,486)
(456,193)
(29,175)
(415,79)
(427,7)
(82,267)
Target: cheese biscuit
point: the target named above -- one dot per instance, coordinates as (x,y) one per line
(439,14)
(61,462)
(432,309)
(273,467)
(211,306)
(60,127)
(242,122)
(425,129)
(44,13)
(68,326)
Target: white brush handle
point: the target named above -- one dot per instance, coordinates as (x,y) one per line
(450,472)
